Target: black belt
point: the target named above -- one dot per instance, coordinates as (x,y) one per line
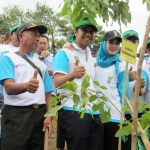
(35,106)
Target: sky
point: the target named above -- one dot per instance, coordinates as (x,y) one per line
(138,11)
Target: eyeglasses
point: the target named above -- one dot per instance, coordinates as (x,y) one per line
(87,31)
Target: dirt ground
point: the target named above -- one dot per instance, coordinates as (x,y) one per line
(52,139)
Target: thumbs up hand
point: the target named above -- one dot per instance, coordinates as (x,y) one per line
(33,84)
(142,83)
(78,71)
(132,74)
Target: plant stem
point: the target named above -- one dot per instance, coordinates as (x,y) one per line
(137,87)
(111,103)
(123,98)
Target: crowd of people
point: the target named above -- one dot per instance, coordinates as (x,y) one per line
(30,76)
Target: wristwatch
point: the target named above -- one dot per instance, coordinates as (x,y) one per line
(41,57)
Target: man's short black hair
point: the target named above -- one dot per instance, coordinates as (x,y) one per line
(45,36)
(3,33)
(7,35)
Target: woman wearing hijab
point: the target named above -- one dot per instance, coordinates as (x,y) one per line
(110,73)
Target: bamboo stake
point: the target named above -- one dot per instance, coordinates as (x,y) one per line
(141,131)
(137,86)
(46,140)
(123,97)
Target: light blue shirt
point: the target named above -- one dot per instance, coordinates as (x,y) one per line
(48,61)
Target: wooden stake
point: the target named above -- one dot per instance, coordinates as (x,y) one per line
(46,140)
(137,86)
(123,97)
(141,131)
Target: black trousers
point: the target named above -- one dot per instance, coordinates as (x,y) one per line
(110,141)
(60,141)
(81,134)
(22,128)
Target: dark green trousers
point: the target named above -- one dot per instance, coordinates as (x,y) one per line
(22,128)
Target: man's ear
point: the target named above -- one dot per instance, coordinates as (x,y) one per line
(20,35)
(75,32)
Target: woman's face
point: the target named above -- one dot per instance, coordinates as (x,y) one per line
(112,46)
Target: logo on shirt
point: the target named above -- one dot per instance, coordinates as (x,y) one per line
(20,65)
(109,79)
(77,58)
(95,64)
(6,52)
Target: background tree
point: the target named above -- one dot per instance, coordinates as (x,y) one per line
(58,27)
(99,35)
(11,16)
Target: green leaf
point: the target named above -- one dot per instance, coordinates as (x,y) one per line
(82,106)
(76,100)
(96,83)
(147,106)
(142,102)
(92,98)
(53,101)
(53,110)
(95,107)
(148,7)
(103,87)
(68,95)
(105,116)
(106,2)
(82,113)
(125,6)
(124,109)
(145,117)
(126,130)
(115,8)
(85,2)
(103,98)
(111,14)
(85,82)
(143,1)
(90,93)
(101,107)
(123,20)
(69,86)
(84,99)
(92,18)
(69,13)
(78,19)
(64,10)
(141,109)
(127,15)
(105,14)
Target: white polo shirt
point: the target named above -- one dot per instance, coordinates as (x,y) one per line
(132,83)
(146,67)
(107,77)
(14,67)
(8,48)
(64,62)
